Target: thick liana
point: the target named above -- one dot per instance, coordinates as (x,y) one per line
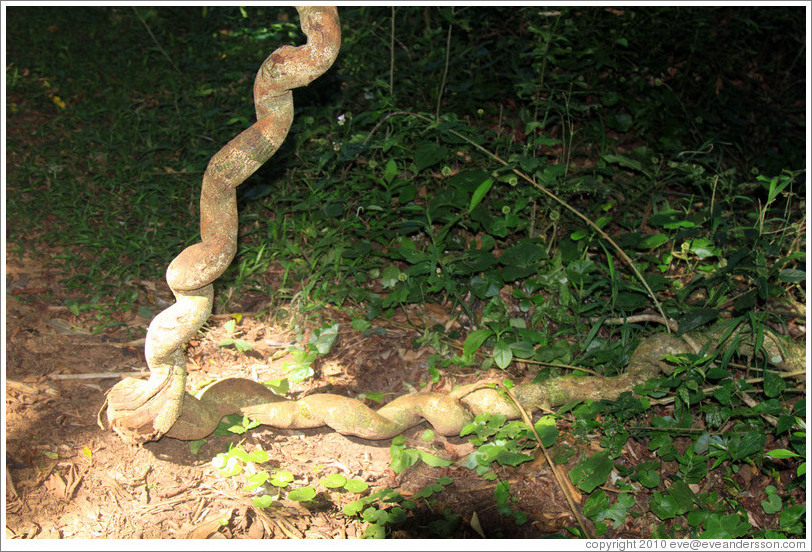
(143,410)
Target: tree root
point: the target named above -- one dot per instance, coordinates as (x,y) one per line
(448,414)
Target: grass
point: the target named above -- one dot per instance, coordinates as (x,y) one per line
(658,125)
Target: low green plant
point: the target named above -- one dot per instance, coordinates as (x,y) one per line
(233,341)
(321,341)
(404,457)
(385,507)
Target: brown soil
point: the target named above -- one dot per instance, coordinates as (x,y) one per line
(67,477)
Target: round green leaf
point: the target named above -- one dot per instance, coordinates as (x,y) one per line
(281,478)
(258,456)
(333,481)
(356,486)
(262,501)
(354,507)
(302,494)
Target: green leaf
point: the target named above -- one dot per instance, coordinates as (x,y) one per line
(784,424)
(781,453)
(719,526)
(743,445)
(356,486)
(258,456)
(324,338)
(524,253)
(547,431)
(375,531)
(74,304)
(624,161)
(434,461)
(774,384)
(791,516)
(402,458)
(195,446)
(591,472)
(503,498)
(428,154)
(677,501)
(595,504)
(511,458)
(474,340)
(396,515)
(773,503)
(791,275)
(228,465)
(360,324)
(263,501)
(333,481)
(597,507)
(374,515)
(354,507)
(696,318)
(502,354)
(298,372)
(389,276)
(302,494)
(620,122)
(279,386)
(281,478)
(703,248)
(480,193)
(256,480)
(653,241)
(242,346)
(390,171)
(429,490)
(663,506)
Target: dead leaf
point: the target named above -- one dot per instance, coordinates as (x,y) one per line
(56,485)
(476,526)
(210,527)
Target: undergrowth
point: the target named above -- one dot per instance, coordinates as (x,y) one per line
(543,174)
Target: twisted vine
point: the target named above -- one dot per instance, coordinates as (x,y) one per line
(140,410)
(143,410)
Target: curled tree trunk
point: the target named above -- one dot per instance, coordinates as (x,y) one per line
(143,410)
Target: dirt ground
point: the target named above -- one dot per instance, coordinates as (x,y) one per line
(66,477)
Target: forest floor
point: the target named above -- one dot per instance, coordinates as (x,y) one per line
(67,477)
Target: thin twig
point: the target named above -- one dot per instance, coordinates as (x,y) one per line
(155,40)
(558,477)
(672,324)
(445,71)
(392,58)
(99,375)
